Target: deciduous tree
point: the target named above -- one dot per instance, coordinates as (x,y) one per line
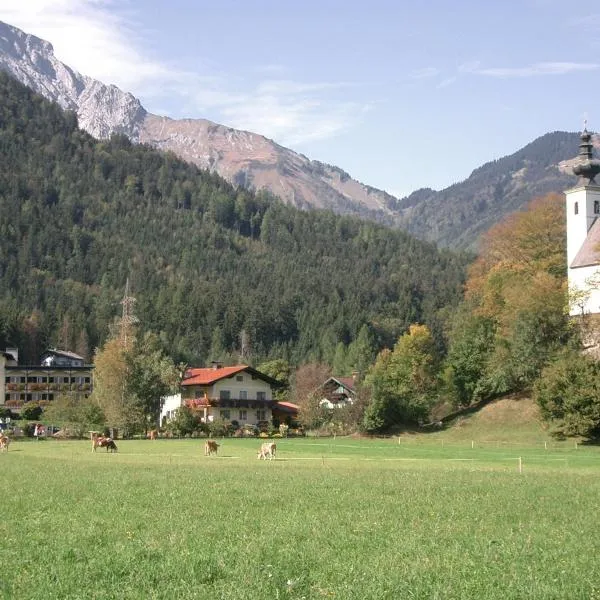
(403,382)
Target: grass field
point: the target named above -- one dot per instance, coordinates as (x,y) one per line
(438,516)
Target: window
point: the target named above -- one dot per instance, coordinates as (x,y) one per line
(32,379)
(22,380)
(596,207)
(261,415)
(225,395)
(239,378)
(243,395)
(261,396)
(225,414)
(576,208)
(50,379)
(243,415)
(7,380)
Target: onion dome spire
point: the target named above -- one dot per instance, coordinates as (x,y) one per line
(588,166)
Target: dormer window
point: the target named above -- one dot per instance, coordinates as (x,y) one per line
(576,208)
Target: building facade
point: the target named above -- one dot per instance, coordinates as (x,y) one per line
(59,373)
(238,393)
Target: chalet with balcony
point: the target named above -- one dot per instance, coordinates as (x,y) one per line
(238,393)
(58,373)
(338,392)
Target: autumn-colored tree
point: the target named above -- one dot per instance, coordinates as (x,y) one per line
(305,392)
(403,382)
(110,379)
(517,292)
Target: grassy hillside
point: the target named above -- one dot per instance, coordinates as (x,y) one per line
(514,420)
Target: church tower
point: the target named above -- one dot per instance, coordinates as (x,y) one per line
(583,233)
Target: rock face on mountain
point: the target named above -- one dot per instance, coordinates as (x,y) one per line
(101,109)
(242,157)
(454,217)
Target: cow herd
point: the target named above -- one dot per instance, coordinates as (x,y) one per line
(266,451)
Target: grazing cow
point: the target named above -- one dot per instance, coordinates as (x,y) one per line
(267,450)
(4,442)
(99,441)
(210,447)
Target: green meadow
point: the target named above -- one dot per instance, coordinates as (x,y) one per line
(427,517)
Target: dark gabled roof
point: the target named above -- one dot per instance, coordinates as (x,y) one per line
(210,375)
(589,253)
(347,383)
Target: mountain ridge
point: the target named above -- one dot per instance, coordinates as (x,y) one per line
(454,217)
(242,157)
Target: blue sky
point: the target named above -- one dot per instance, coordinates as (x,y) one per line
(400,94)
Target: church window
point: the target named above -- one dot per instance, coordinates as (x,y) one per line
(576,208)
(596,207)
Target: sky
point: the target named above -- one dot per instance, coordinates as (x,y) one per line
(400,94)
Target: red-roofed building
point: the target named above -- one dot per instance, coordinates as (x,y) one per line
(238,393)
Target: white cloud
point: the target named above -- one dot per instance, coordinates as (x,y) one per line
(446,82)
(102,39)
(424,73)
(537,69)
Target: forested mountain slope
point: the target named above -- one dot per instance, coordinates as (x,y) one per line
(453,217)
(205,260)
(458,215)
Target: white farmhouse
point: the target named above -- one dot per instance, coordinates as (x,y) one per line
(238,393)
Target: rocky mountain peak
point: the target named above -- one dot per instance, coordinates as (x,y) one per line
(101,109)
(242,157)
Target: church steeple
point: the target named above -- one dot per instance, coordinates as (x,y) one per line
(588,167)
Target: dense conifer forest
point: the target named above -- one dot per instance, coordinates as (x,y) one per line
(215,270)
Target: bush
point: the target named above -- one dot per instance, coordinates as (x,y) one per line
(6,413)
(568,393)
(220,428)
(31,411)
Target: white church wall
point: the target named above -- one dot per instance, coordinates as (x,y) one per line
(584,290)
(583,207)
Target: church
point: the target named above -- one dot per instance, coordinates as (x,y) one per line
(583,233)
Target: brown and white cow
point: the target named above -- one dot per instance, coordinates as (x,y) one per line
(267,450)
(99,441)
(210,447)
